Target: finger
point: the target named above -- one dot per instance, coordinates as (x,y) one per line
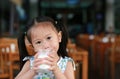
(53,67)
(52,56)
(36,55)
(38,62)
(50,59)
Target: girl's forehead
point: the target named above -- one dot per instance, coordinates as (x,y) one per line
(43,28)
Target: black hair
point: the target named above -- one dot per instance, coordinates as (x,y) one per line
(22,49)
(58,25)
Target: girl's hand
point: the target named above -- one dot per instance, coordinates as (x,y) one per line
(52,62)
(36,63)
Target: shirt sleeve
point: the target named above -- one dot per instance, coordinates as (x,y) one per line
(73,63)
(31,59)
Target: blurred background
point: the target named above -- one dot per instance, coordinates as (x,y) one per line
(81,17)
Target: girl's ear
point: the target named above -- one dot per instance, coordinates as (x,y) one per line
(30,49)
(60,36)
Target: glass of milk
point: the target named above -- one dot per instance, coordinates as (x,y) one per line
(43,54)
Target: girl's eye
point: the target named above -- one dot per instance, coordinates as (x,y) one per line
(48,37)
(38,42)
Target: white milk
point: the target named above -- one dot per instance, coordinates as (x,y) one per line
(43,54)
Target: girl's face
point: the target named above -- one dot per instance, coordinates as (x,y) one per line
(44,36)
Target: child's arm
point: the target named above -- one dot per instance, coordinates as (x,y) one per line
(68,74)
(26,72)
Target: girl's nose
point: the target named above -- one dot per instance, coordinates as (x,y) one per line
(46,45)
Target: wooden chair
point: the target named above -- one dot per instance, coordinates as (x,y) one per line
(79,56)
(4,62)
(83,41)
(10,41)
(13,55)
(114,56)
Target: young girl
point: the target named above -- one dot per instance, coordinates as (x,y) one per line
(44,33)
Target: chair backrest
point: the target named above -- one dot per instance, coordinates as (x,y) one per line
(4,61)
(10,47)
(79,56)
(83,41)
(10,41)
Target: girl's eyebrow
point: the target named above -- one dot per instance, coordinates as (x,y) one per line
(48,34)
